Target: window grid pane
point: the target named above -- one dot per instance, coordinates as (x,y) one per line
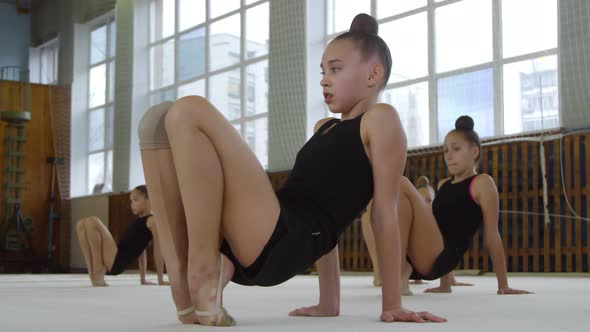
(256,135)
(95,170)
(162,65)
(190,13)
(97,89)
(407,39)
(96,130)
(219,8)
(257,31)
(411,103)
(257,88)
(224,43)
(531,99)
(184,69)
(225,94)
(463,34)
(101,80)
(525,33)
(386,8)
(196,88)
(98,44)
(466,94)
(191,54)
(111,92)
(341,13)
(113,39)
(162,21)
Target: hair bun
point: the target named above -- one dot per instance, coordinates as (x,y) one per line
(365,24)
(464,122)
(422,182)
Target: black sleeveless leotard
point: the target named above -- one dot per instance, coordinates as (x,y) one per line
(132,244)
(329,186)
(458,217)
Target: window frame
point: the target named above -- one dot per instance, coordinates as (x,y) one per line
(497,64)
(244,60)
(110,57)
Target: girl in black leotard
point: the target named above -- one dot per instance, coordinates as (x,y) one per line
(427,193)
(210,193)
(103,256)
(437,238)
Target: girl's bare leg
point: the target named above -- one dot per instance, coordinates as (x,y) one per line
(85,246)
(102,247)
(210,177)
(158,259)
(420,236)
(370,242)
(445,285)
(405,213)
(170,223)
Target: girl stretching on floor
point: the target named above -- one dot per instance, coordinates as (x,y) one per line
(427,193)
(103,256)
(211,195)
(463,203)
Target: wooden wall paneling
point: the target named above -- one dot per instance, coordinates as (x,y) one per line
(512,216)
(567,178)
(547,226)
(557,190)
(536,219)
(577,202)
(37,176)
(525,194)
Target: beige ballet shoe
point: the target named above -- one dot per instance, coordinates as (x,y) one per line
(223,317)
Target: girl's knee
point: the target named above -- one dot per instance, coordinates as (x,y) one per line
(189,110)
(405,184)
(152,131)
(81,224)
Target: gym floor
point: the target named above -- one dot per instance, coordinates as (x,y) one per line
(68,303)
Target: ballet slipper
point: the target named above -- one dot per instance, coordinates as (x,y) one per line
(223,317)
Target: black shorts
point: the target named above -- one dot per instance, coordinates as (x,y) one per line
(446,262)
(293,247)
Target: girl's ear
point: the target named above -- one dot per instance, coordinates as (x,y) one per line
(375,75)
(474,151)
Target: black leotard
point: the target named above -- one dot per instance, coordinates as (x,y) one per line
(458,217)
(132,244)
(329,186)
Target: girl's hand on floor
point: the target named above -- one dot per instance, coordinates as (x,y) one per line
(439,290)
(458,283)
(403,315)
(315,311)
(147,283)
(512,291)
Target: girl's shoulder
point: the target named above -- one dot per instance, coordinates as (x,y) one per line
(482,180)
(381,118)
(321,122)
(483,185)
(380,110)
(441,183)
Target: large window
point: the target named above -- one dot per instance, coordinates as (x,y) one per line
(43,62)
(495,60)
(216,49)
(101,90)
